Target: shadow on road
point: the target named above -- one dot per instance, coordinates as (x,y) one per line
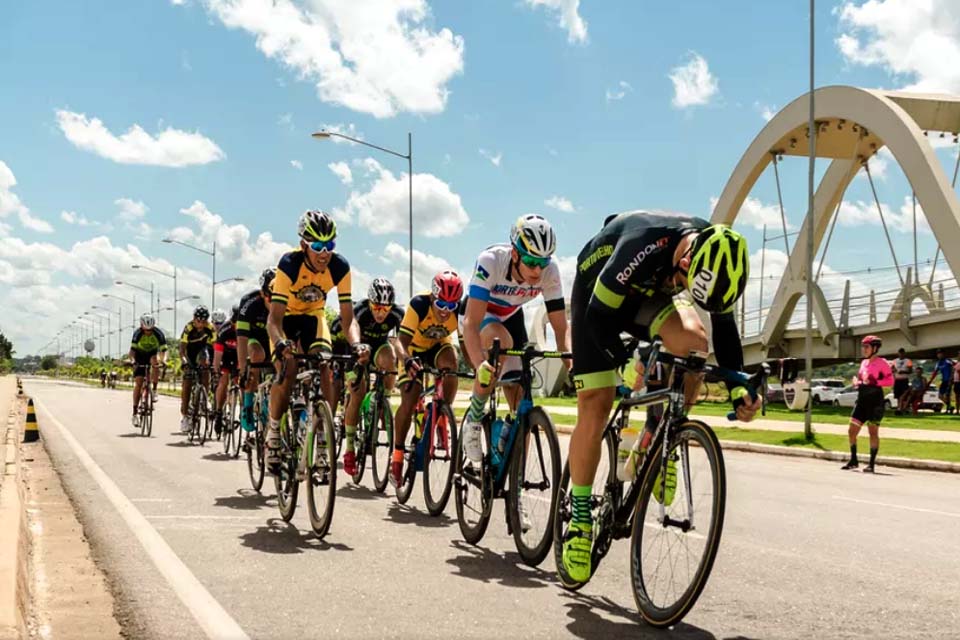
(219,456)
(283,538)
(358,492)
(488,566)
(129,435)
(246,500)
(586,621)
(184,443)
(405,514)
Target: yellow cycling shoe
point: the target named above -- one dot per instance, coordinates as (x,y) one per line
(670,490)
(577,548)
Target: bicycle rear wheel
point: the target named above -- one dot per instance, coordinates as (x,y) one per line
(675,537)
(203,411)
(235,399)
(286,482)
(409,462)
(381,443)
(604,505)
(226,427)
(534,482)
(255,463)
(438,466)
(321,470)
(473,494)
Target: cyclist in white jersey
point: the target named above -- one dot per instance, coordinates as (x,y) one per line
(506,277)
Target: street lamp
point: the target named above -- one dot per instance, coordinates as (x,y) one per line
(324,135)
(136,286)
(212,254)
(99,318)
(109,330)
(168,275)
(132,302)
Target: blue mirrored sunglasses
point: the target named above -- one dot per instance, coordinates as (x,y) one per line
(444,305)
(323,245)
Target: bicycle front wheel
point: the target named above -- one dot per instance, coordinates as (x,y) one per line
(474,490)
(235,429)
(321,470)
(438,465)
(534,482)
(678,523)
(286,482)
(255,463)
(409,476)
(381,440)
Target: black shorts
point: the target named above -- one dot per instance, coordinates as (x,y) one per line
(260,337)
(228,362)
(641,315)
(308,332)
(142,360)
(342,347)
(517,329)
(900,387)
(870,405)
(428,357)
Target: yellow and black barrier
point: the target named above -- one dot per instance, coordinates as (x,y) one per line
(31,433)
(19,386)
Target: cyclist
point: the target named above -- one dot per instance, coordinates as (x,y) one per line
(103,377)
(506,277)
(902,368)
(253,344)
(148,347)
(626,279)
(224,360)
(377,317)
(196,340)
(943,368)
(426,336)
(873,376)
(305,277)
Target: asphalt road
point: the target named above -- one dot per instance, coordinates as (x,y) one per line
(807,550)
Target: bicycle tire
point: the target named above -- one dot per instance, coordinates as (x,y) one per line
(203,411)
(226,428)
(602,480)
(436,497)
(707,443)
(382,442)
(472,480)
(286,482)
(148,418)
(256,466)
(322,471)
(541,437)
(236,422)
(409,463)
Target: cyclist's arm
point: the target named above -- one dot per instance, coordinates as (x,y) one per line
(405,341)
(184,338)
(726,342)
(242,351)
(348,322)
(558,320)
(275,321)
(472,318)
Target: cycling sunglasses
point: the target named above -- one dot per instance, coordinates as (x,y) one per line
(444,305)
(533,261)
(323,245)
(380,308)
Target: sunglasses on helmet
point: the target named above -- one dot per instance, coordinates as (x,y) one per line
(445,305)
(321,246)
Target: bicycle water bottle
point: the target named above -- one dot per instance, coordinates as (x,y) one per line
(504,435)
(628,453)
(495,429)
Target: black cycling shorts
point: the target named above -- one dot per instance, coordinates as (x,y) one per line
(870,405)
(308,332)
(142,360)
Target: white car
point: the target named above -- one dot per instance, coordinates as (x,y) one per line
(845,397)
(931,401)
(824,391)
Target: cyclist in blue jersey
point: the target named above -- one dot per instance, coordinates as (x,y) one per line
(944,369)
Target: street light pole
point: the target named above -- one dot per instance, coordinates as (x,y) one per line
(213,254)
(163,273)
(323,135)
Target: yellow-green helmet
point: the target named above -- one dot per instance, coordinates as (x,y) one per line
(719,267)
(317,225)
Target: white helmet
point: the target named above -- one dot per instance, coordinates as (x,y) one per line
(534,235)
(147,321)
(219,316)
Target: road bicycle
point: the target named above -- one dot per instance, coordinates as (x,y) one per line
(199,405)
(146,404)
(673,508)
(230,431)
(375,434)
(307,448)
(525,451)
(431,443)
(255,445)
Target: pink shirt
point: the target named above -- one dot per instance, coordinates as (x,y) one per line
(879,368)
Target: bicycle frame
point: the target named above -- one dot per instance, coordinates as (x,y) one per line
(436,395)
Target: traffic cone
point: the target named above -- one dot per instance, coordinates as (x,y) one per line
(30,432)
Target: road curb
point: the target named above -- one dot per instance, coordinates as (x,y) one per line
(15,542)
(831,456)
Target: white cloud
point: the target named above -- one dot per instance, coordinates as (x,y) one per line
(342,171)
(617,93)
(296,164)
(343,129)
(918,42)
(560,204)
(753,213)
(766,111)
(437,210)
(10,204)
(494,158)
(860,212)
(169,148)
(693,83)
(371,56)
(568,12)
(286,121)
(131,210)
(425,266)
(72,217)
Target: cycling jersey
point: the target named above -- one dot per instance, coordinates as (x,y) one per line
(878,369)
(226,344)
(195,336)
(944,367)
(423,327)
(372,332)
(148,343)
(493,283)
(620,285)
(305,291)
(252,320)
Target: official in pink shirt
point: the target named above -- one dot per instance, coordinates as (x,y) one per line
(874,375)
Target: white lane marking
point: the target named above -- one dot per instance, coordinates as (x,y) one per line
(203,517)
(899,506)
(212,618)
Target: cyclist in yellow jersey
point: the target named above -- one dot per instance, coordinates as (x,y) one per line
(305,279)
(426,337)
(196,346)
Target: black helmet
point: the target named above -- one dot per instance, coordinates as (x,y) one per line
(201,313)
(266,279)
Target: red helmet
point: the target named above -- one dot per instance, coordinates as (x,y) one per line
(873,341)
(447,286)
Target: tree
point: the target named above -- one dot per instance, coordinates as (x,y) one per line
(48,362)
(6,348)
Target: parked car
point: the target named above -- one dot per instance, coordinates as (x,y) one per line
(931,401)
(774,393)
(846,397)
(824,390)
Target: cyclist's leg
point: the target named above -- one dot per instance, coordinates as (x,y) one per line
(256,354)
(186,385)
(220,395)
(490,329)
(446,358)
(351,417)
(409,394)
(856,421)
(387,359)
(516,328)
(681,330)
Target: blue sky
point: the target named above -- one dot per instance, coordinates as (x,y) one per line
(559,107)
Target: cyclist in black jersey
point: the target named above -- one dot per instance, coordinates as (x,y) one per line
(378,318)
(253,343)
(627,280)
(224,361)
(148,347)
(196,342)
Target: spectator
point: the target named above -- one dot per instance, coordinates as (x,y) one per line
(873,376)
(956,383)
(943,368)
(918,385)
(902,367)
